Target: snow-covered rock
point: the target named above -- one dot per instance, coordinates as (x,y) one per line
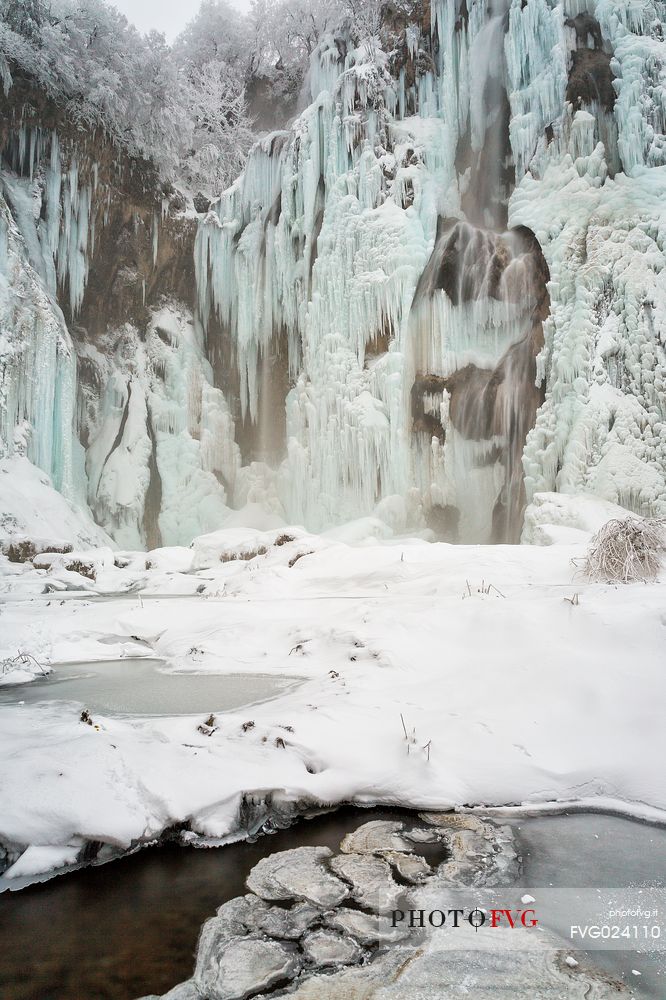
(371,880)
(367,928)
(375,837)
(553,518)
(38,859)
(298,874)
(237,969)
(323,948)
(36,516)
(360,953)
(410,867)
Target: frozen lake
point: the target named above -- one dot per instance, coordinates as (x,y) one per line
(136,686)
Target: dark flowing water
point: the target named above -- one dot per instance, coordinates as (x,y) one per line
(130,927)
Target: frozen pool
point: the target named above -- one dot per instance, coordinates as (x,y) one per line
(136,686)
(584,851)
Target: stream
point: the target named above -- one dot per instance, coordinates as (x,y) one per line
(129,928)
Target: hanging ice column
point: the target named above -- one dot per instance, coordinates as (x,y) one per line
(47,234)
(61,240)
(315,249)
(37,367)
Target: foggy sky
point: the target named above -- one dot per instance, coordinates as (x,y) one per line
(168,16)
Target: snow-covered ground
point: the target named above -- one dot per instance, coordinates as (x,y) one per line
(510,690)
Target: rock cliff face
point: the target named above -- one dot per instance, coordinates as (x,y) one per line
(438,292)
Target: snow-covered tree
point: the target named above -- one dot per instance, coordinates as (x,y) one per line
(221,127)
(218,33)
(365,17)
(286,32)
(24,16)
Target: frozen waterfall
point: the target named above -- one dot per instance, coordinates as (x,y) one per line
(386,275)
(314,257)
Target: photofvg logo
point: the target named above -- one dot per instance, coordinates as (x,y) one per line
(505,916)
(584,919)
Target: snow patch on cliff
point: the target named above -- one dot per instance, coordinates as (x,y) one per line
(162,462)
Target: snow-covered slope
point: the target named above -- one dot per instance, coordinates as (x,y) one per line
(161,457)
(510,689)
(34,511)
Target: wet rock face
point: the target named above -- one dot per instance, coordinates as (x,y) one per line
(590,83)
(469,263)
(591,79)
(482,388)
(587,30)
(325,937)
(140,256)
(142,246)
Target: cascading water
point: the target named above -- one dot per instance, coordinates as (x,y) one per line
(372,249)
(485,166)
(432,380)
(310,262)
(477,328)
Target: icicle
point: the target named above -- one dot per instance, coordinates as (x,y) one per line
(156,237)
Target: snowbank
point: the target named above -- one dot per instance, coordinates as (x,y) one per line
(562,517)
(523,695)
(32,510)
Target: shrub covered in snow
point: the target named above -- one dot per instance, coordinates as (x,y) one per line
(627,550)
(21,669)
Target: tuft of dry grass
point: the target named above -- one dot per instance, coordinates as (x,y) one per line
(627,550)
